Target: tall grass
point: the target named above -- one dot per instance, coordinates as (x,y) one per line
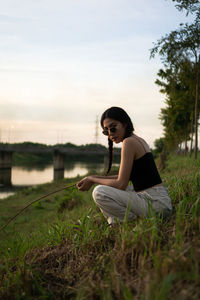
(73,254)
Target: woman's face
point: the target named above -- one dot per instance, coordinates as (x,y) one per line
(115,129)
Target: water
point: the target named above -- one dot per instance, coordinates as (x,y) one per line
(27,176)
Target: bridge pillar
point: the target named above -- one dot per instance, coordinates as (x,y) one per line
(58,165)
(5,167)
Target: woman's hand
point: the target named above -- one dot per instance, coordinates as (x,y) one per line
(85,184)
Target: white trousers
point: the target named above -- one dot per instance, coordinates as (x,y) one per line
(116,204)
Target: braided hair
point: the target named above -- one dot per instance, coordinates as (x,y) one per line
(118,114)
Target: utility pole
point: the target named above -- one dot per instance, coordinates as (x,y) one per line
(96,130)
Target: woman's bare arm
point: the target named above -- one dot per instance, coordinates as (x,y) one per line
(106,177)
(122,179)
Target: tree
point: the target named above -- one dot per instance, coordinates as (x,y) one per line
(176,118)
(176,47)
(191,6)
(159,146)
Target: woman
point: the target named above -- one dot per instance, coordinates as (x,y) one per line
(113,195)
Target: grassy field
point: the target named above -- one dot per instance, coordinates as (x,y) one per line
(62,248)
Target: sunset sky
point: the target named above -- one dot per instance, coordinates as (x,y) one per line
(63,62)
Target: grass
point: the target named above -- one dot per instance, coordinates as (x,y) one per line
(62,247)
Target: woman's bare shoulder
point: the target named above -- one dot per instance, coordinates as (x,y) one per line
(129,142)
(130,145)
(139,144)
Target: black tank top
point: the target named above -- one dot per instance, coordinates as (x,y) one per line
(144,173)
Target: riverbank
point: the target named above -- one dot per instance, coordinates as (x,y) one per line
(40,213)
(62,248)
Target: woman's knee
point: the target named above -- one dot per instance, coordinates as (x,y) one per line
(97,193)
(100,194)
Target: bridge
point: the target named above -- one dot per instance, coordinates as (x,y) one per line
(59,153)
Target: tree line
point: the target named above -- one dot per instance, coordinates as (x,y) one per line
(179,80)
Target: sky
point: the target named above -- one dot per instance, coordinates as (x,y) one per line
(64,62)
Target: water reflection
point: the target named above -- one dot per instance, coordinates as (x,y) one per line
(27,176)
(5,194)
(23,176)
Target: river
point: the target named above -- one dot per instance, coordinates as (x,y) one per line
(27,176)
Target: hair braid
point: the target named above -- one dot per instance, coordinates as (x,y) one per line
(110,148)
(117,114)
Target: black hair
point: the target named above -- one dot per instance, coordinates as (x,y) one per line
(118,114)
